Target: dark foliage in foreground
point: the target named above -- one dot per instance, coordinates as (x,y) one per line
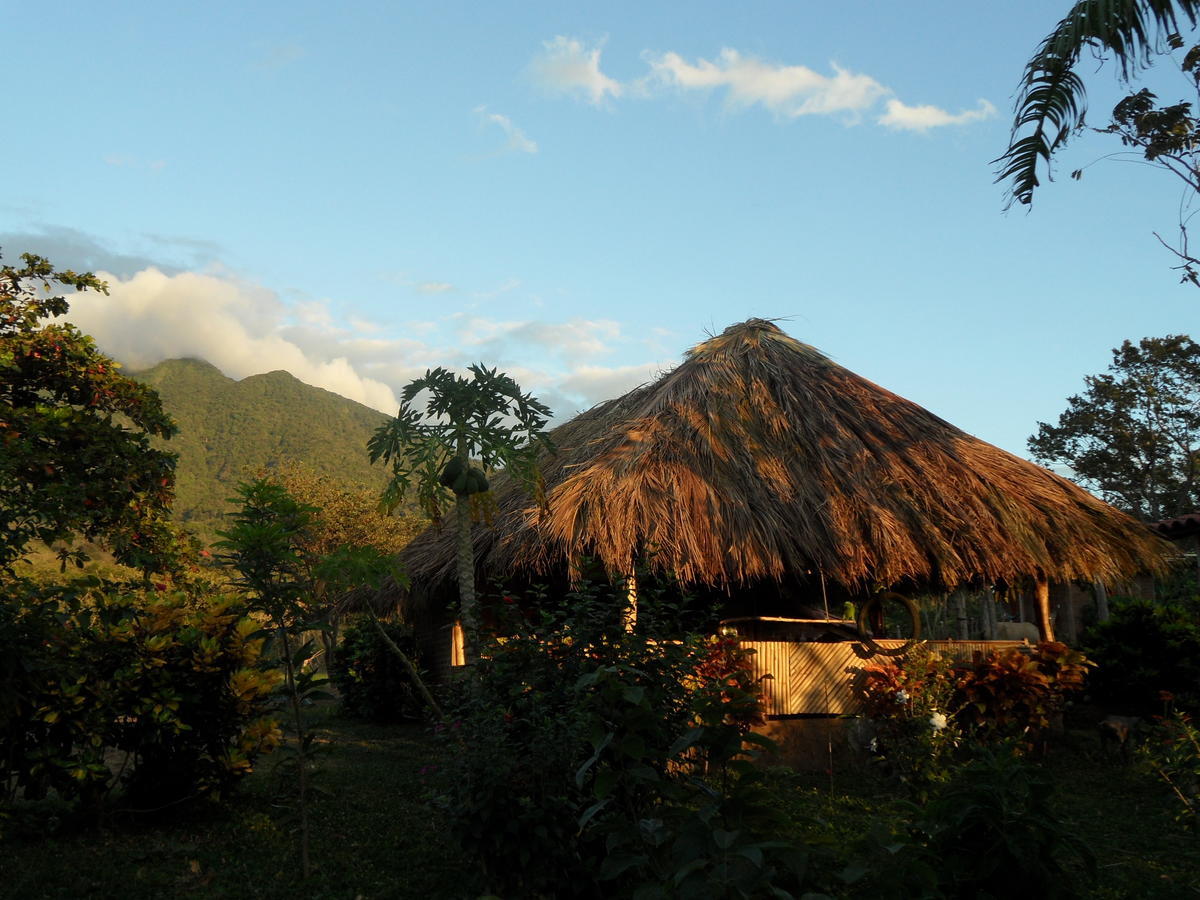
(586,760)
(1143,650)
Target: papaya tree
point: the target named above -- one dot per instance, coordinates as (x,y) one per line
(442,449)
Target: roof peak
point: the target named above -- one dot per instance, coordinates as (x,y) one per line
(750,333)
(754,324)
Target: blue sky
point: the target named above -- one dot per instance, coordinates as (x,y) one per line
(577,193)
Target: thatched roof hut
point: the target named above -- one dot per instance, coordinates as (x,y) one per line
(758,456)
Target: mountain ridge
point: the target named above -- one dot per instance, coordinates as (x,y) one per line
(230,430)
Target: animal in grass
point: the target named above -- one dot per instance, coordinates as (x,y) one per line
(1017,631)
(1119,733)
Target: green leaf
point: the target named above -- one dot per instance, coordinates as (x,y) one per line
(753,853)
(591,812)
(316,695)
(634,694)
(581,772)
(686,741)
(724,839)
(614,866)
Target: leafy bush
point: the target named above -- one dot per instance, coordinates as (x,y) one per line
(371,680)
(1018,692)
(1145,648)
(993,834)
(1172,753)
(169,691)
(585,760)
(925,706)
(912,702)
(987,832)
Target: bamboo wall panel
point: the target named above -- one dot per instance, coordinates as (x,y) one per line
(822,678)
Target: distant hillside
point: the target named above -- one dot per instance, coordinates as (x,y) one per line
(229,430)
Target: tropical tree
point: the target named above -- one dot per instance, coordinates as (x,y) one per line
(347,525)
(1052,99)
(443,448)
(264,545)
(1167,137)
(1133,435)
(75,434)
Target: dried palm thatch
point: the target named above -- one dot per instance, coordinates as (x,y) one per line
(758,456)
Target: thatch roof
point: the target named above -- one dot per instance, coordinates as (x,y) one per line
(759,457)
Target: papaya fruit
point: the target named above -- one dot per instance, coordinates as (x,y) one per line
(451,472)
(477,482)
(461,481)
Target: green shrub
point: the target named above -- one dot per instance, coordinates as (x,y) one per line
(139,689)
(585,760)
(912,702)
(1171,753)
(987,832)
(372,682)
(1145,648)
(992,832)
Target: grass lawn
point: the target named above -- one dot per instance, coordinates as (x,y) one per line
(374,837)
(1127,820)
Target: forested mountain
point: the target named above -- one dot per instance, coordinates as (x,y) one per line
(230,430)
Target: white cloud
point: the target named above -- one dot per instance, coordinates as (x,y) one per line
(276,56)
(434,287)
(237,327)
(787,91)
(121,161)
(518,142)
(567,66)
(569,341)
(313,312)
(594,384)
(509,284)
(246,329)
(364,326)
(922,118)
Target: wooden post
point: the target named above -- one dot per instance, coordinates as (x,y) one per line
(987,606)
(1068,623)
(1041,593)
(1101,592)
(960,608)
(631,601)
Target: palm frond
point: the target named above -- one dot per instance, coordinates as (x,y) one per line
(1051,102)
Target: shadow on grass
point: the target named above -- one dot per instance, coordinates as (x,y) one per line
(372,837)
(375,837)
